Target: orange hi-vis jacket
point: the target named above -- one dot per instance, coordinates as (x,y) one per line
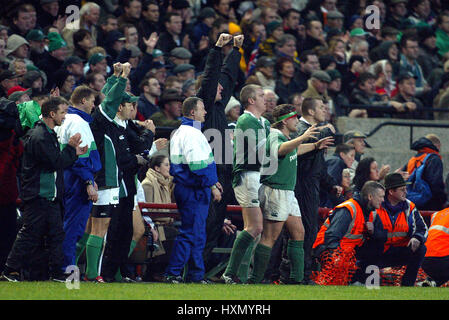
(397,235)
(438,239)
(355,235)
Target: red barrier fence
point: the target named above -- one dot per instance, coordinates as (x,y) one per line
(323,212)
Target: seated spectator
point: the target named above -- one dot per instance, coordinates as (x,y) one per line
(428,57)
(442,98)
(286,47)
(53,58)
(314,36)
(96,81)
(17,48)
(19,67)
(131,35)
(337,98)
(365,94)
(35,81)
(317,86)
(274,34)
(36,40)
(412,107)
(173,36)
(88,20)
(385,85)
(233,110)
(285,85)
(107,23)
(98,63)
(132,12)
(420,13)
(296,100)
(75,66)
(82,43)
(19,94)
(188,88)
(114,42)
(171,104)
(8,79)
(337,49)
(263,74)
(342,158)
(158,183)
(184,72)
(150,91)
(368,170)
(178,56)
(308,63)
(65,82)
(172,82)
(442,34)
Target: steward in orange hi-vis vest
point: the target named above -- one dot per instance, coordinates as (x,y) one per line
(400,241)
(436,262)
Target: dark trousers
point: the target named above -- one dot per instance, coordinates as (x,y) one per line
(371,254)
(437,268)
(118,239)
(217,213)
(42,219)
(8,230)
(308,200)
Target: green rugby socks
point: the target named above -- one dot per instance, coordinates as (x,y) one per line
(262,256)
(93,252)
(241,244)
(295,253)
(80,246)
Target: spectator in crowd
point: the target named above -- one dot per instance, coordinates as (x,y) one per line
(8,79)
(65,82)
(53,58)
(442,33)
(150,92)
(232,111)
(170,105)
(429,147)
(337,98)
(368,170)
(88,19)
(428,57)
(173,36)
(42,201)
(385,85)
(435,261)
(132,10)
(82,43)
(158,183)
(343,158)
(74,65)
(401,240)
(308,63)
(271,99)
(263,73)
(36,42)
(412,107)
(150,22)
(47,13)
(274,33)
(188,88)
(98,63)
(397,14)
(317,86)
(314,35)
(19,95)
(34,80)
(21,21)
(285,84)
(441,99)
(188,146)
(17,48)
(106,24)
(286,47)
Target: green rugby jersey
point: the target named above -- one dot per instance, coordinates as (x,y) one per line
(250,135)
(284,177)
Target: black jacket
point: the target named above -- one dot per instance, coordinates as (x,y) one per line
(44,163)
(216,117)
(49,65)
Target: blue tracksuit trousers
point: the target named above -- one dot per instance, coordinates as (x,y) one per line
(76,213)
(193,205)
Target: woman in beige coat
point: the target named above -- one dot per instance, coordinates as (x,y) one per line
(158,184)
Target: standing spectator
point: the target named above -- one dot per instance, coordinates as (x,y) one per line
(80,189)
(274,33)
(195,177)
(82,43)
(343,158)
(251,130)
(312,177)
(314,35)
(11,150)
(21,21)
(317,86)
(42,183)
(385,85)
(263,74)
(107,24)
(337,98)
(47,13)
(150,21)
(429,147)
(36,41)
(428,57)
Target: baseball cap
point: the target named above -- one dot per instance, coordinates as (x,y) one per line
(97,57)
(129,97)
(113,36)
(35,35)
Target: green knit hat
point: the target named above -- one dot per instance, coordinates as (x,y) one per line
(129,98)
(55,41)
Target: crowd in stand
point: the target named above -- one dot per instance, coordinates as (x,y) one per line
(117,71)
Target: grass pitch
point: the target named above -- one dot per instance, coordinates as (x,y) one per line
(160,291)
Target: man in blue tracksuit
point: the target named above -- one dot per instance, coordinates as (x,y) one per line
(195,177)
(80,189)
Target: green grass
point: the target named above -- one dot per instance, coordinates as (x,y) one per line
(160,291)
